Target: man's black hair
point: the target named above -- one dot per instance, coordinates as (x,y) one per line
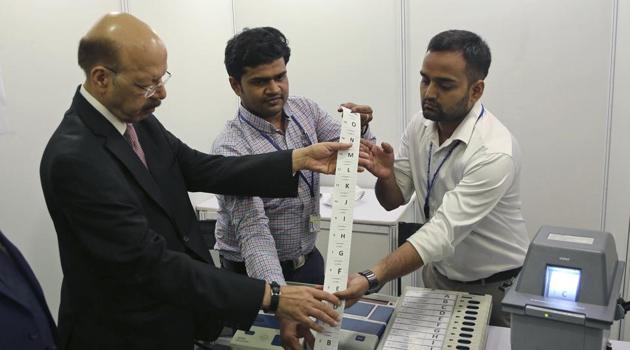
(474,49)
(253,47)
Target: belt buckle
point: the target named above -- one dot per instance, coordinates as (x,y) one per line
(299,262)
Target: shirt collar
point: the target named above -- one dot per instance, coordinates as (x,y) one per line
(464,130)
(260,123)
(119,125)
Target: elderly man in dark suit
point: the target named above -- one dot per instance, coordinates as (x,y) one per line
(137,274)
(25,321)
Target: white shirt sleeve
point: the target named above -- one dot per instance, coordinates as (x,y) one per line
(484,183)
(402,166)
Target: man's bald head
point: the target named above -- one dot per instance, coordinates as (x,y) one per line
(115,38)
(123,60)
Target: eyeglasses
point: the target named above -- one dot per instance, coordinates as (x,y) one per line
(151,89)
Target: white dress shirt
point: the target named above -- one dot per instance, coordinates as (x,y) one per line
(117,123)
(475,226)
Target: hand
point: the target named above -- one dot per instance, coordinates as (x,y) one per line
(291,332)
(299,303)
(357,287)
(364,111)
(322,157)
(378,160)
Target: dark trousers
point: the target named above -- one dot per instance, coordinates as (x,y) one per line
(311,272)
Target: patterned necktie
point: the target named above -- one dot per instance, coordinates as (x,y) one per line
(132,137)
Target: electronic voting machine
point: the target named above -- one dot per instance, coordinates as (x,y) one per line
(431,319)
(422,319)
(362,327)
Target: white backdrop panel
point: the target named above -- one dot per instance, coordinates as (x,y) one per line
(618,201)
(548,83)
(38,55)
(199,100)
(340,51)
(199,96)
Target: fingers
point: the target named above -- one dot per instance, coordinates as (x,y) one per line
(351,302)
(364,111)
(325,296)
(291,343)
(367,143)
(325,314)
(387,147)
(365,164)
(308,338)
(323,311)
(348,105)
(357,286)
(313,325)
(365,159)
(361,109)
(366,118)
(353,292)
(299,303)
(290,334)
(337,146)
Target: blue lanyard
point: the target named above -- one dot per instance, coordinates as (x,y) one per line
(311,185)
(431,180)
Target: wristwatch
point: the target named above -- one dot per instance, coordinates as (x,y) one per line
(275,296)
(373,283)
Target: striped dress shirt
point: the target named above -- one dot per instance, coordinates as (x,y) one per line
(264,231)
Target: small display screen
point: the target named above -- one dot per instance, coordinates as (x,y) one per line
(562,282)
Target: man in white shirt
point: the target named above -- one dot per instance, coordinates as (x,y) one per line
(464,166)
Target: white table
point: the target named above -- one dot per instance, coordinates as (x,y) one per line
(375,231)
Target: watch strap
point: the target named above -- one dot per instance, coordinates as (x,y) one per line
(275,296)
(373,283)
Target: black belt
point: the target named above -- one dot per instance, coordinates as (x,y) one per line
(497,277)
(286,265)
(294,264)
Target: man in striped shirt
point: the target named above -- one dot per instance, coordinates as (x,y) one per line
(272,238)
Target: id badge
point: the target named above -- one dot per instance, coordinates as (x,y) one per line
(314,221)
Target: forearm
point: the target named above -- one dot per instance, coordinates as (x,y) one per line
(402,261)
(388,193)
(298,158)
(266,301)
(257,246)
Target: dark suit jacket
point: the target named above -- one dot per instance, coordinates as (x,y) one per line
(137,274)
(17,322)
